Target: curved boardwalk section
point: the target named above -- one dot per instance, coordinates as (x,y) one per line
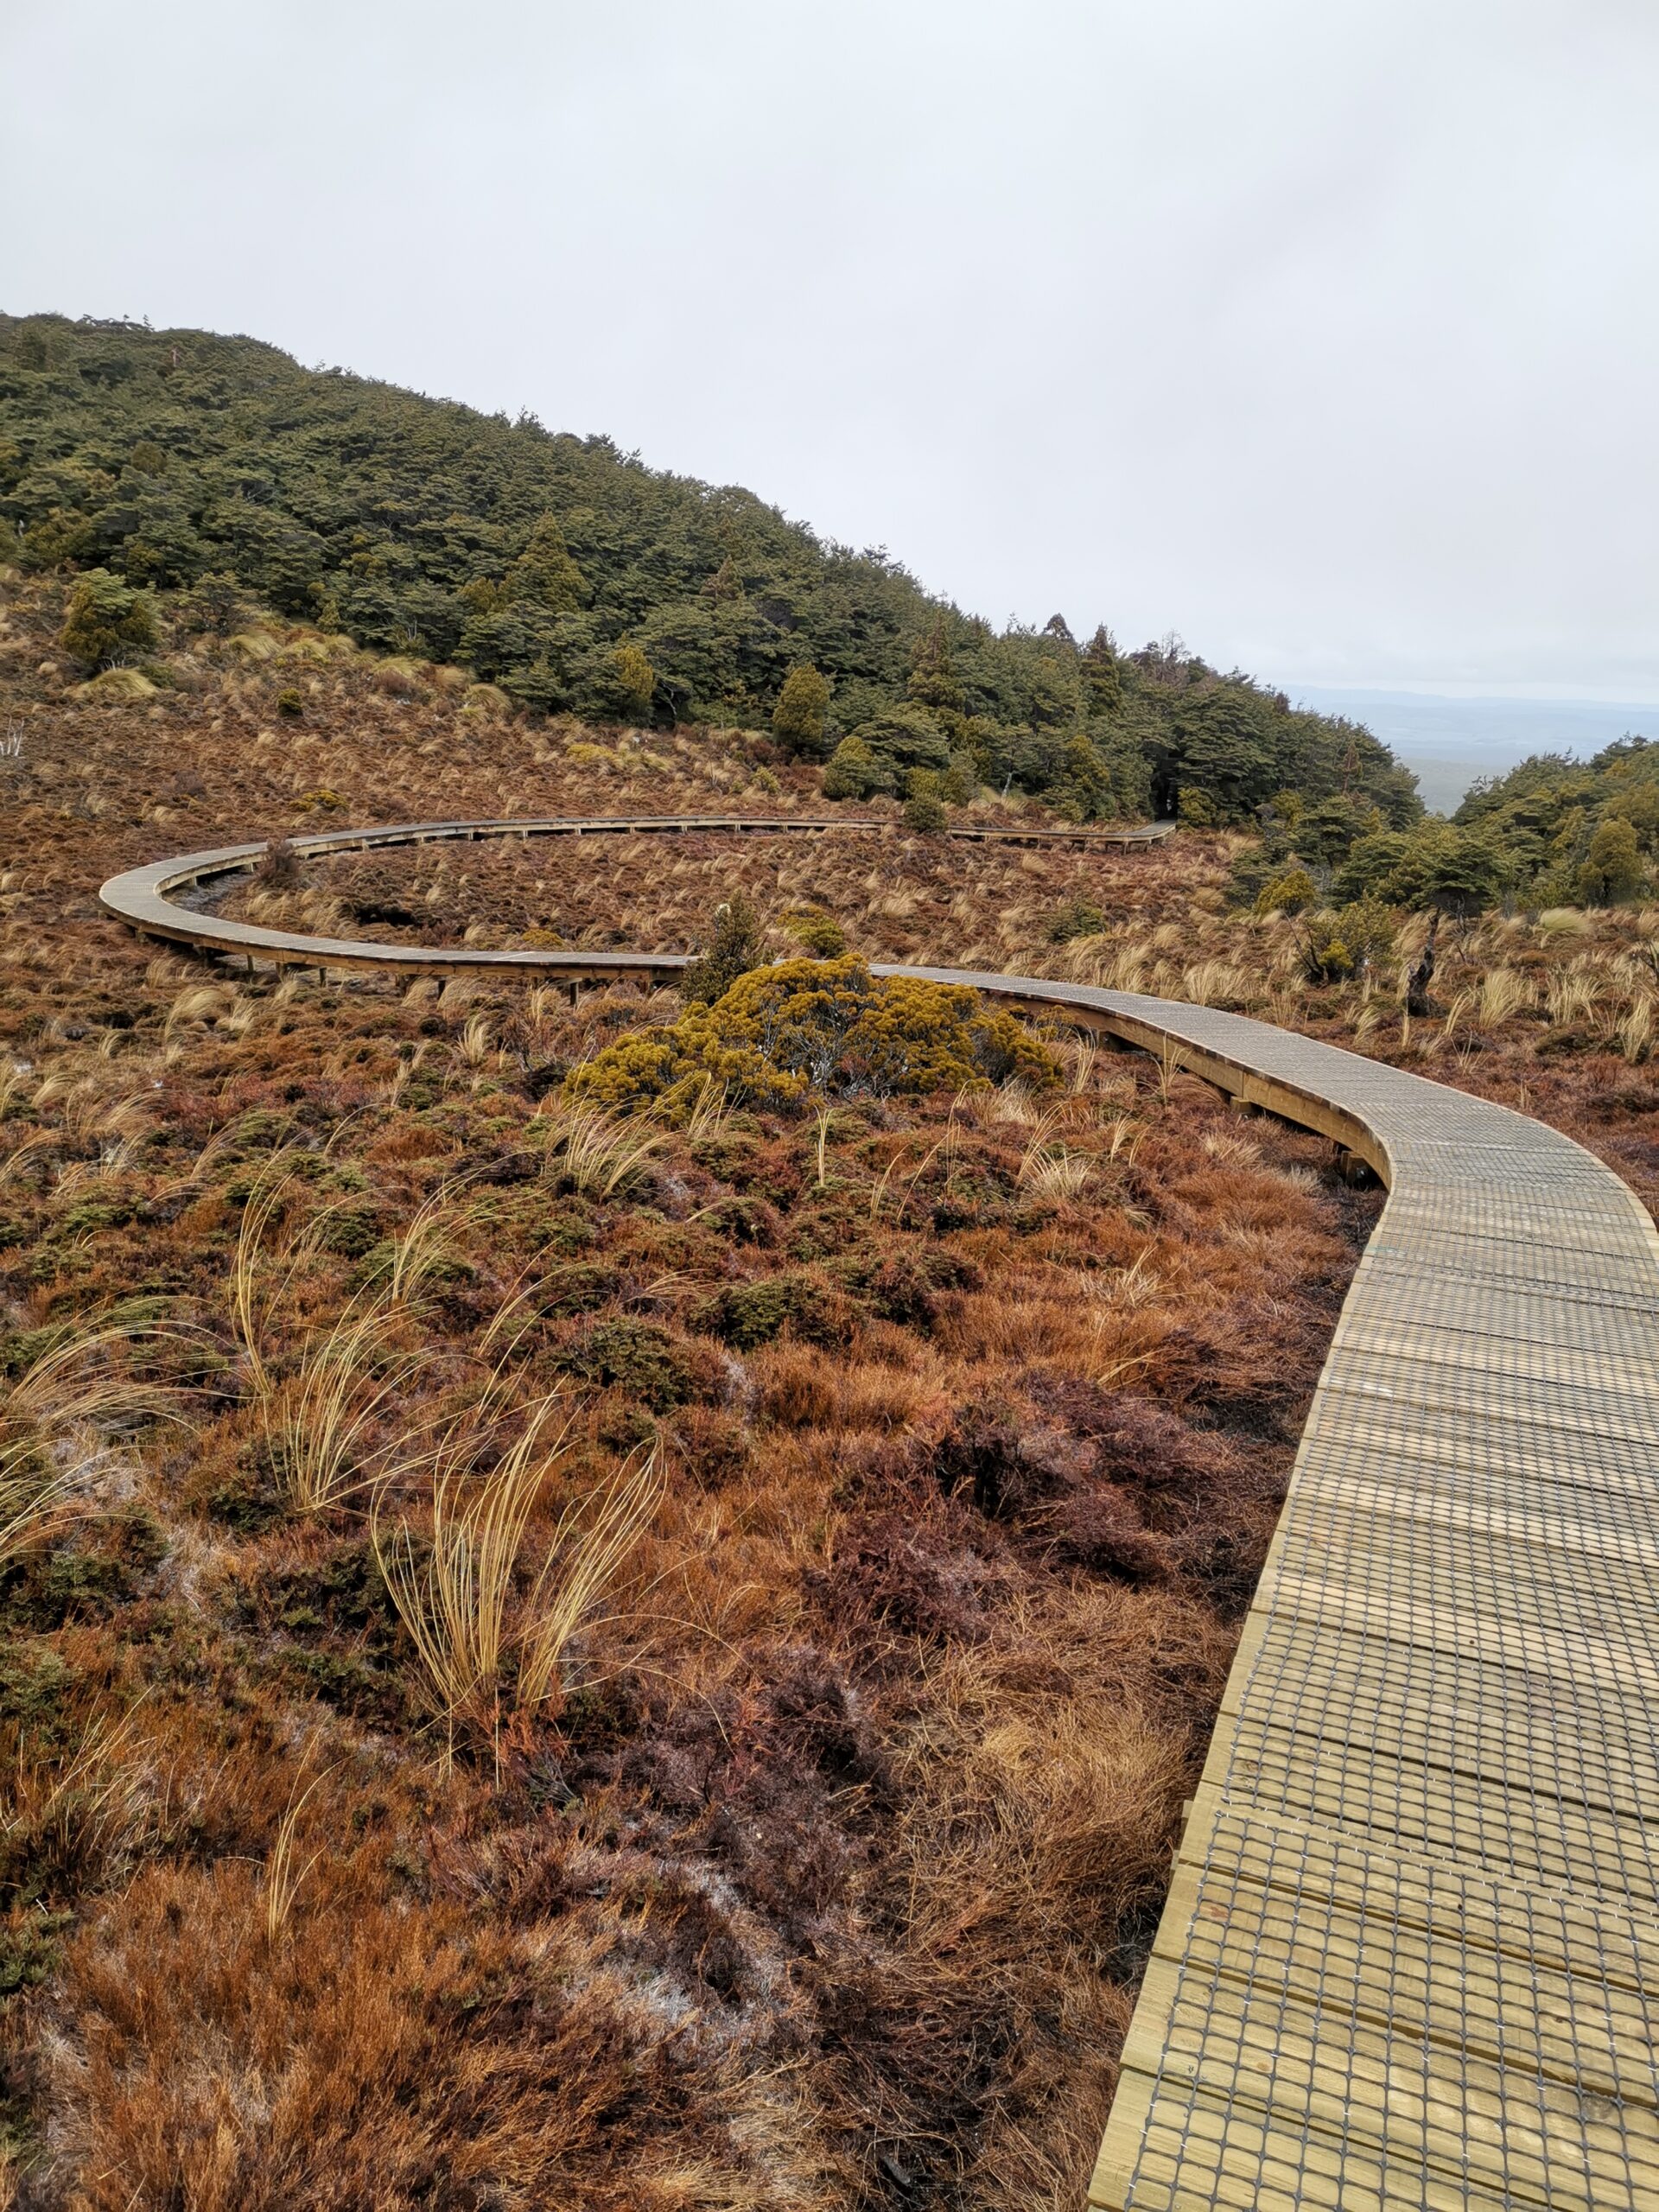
(1410,1955)
(142,896)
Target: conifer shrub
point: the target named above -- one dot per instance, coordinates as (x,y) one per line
(905,738)
(735,950)
(633,1356)
(107,620)
(959,783)
(1084,793)
(925,813)
(636,682)
(749,1314)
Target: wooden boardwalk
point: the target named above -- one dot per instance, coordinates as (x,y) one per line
(1410,1954)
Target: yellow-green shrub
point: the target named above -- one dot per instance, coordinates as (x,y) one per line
(800,1026)
(1288,892)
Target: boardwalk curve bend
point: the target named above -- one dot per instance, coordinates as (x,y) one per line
(1410,1953)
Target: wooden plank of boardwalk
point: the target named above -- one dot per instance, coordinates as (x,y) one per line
(1410,1954)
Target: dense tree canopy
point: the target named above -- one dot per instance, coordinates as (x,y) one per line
(566,571)
(1583,832)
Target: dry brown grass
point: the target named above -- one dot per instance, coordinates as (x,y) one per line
(806,1828)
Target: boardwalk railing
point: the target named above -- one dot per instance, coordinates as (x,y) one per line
(1410,1953)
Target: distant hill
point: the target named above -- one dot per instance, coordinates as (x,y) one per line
(579,580)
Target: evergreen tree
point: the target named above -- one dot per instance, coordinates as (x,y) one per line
(1084,789)
(734,949)
(797,720)
(544,574)
(1612,867)
(1102,676)
(636,682)
(932,682)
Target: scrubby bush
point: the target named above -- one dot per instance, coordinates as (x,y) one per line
(107,620)
(215,603)
(1194,808)
(828,1025)
(1338,945)
(1084,793)
(821,934)
(855,771)
(925,813)
(1289,892)
(905,738)
(635,681)
(1437,866)
(1079,916)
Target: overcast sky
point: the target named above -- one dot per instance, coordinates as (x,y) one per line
(1322,331)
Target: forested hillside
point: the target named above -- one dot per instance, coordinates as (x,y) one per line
(180,462)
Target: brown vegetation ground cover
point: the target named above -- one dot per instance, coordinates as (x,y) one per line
(820,1869)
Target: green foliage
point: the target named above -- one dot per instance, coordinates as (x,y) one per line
(636,680)
(216,603)
(1337,945)
(749,1314)
(925,813)
(1102,674)
(1574,829)
(959,783)
(1326,833)
(1437,866)
(855,772)
(932,682)
(797,720)
(1612,867)
(1079,916)
(821,934)
(905,739)
(1288,892)
(1194,808)
(107,621)
(734,949)
(1084,793)
(209,467)
(545,575)
(829,1026)
(633,1356)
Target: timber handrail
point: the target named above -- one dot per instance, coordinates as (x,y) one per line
(1410,1951)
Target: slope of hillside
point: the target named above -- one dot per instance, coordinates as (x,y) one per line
(581,580)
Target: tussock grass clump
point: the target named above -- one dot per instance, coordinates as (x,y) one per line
(490,1629)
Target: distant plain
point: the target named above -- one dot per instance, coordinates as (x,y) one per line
(1448,741)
